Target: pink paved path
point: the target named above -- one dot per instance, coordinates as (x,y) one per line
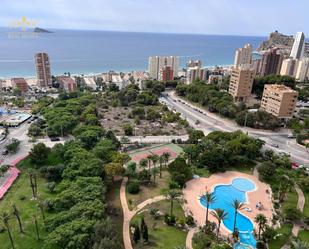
(13,172)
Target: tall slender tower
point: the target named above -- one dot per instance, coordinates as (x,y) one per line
(298,48)
(42,66)
(243,56)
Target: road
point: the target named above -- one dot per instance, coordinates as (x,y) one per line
(20,133)
(209,122)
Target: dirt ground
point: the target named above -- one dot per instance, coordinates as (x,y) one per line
(115,117)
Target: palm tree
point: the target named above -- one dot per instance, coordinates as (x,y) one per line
(41,206)
(143,163)
(261,220)
(16,214)
(36,227)
(285,185)
(237,205)
(154,159)
(149,159)
(220,215)
(166,157)
(161,161)
(5,217)
(172,195)
(300,244)
(210,198)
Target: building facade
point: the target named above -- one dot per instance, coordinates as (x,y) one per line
(243,56)
(279,100)
(241,83)
(271,62)
(67,83)
(289,67)
(156,63)
(194,73)
(42,66)
(167,73)
(302,72)
(298,48)
(20,83)
(194,63)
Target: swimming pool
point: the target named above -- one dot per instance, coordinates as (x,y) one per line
(225,195)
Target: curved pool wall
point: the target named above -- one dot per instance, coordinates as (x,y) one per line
(225,195)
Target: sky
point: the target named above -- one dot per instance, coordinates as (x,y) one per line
(226,17)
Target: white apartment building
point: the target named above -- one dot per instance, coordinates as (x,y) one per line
(302,72)
(243,56)
(156,63)
(298,48)
(289,67)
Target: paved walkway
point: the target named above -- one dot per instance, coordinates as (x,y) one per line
(128,214)
(189,238)
(300,206)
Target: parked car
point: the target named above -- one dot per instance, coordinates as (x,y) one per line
(275,145)
(5,152)
(53,139)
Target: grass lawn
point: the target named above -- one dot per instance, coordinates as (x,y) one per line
(161,236)
(27,208)
(291,200)
(113,200)
(306,208)
(286,231)
(150,191)
(304,235)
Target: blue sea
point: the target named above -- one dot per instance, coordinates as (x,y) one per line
(87,52)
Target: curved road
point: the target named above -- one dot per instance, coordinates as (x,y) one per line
(209,122)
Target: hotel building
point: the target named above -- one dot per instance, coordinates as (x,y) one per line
(302,72)
(194,73)
(42,66)
(279,100)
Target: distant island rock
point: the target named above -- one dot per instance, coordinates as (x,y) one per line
(40,30)
(283,42)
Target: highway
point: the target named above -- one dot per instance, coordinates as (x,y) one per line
(209,122)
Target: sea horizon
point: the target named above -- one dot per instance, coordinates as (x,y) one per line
(90,52)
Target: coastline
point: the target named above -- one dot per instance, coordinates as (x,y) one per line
(92,74)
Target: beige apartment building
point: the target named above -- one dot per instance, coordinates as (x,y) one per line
(279,100)
(241,83)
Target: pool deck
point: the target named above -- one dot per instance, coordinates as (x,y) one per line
(196,187)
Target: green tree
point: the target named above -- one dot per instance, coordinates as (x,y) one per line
(39,153)
(17,215)
(261,220)
(220,215)
(113,169)
(13,146)
(172,195)
(5,218)
(210,198)
(237,205)
(105,235)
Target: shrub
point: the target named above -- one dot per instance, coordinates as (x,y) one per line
(170,219)
(292,213)
(133,187)
(260,245)
(201,240)
(51,186)
(173,185)
(190,220)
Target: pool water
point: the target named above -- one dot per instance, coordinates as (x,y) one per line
(225,195)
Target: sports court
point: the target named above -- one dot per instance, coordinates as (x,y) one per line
(173,149)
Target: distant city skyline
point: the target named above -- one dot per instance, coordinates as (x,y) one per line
(222,17)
